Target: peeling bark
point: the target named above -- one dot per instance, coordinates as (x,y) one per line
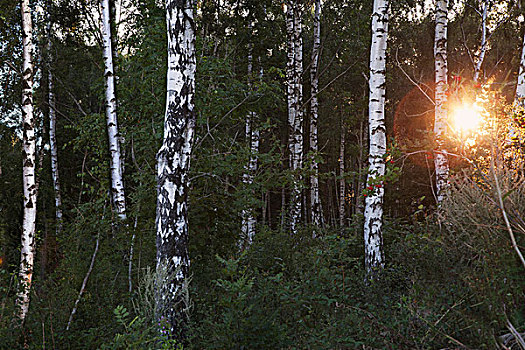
(29,183)
(373,226)
(117,182)
(440,119)
(173,163)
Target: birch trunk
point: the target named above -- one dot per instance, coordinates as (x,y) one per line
(117,184)
(315,200)
(294,70)
(520,88)
(53,141)
(173,163)
(29,183)
(342,182)
(440,119)
(483,48)
(252,135)
(373,232)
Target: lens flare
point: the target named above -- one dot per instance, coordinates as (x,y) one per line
(466,118)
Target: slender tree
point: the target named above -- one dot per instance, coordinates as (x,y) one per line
(316,214)
(252,135)
(52,132)
(173,163)
(373,233)
(29,183)
(294,71)
(342,181)
(483,48)
(117,182)
(440,119)
(520,88)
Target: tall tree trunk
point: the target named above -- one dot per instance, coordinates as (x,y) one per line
(440,120)
(520,88)
(373,231)
(483,48)
(294,70)
(173,163)
(29,183)
(342,181)
(316,213)
(117,182)
(52,136)
(252,135)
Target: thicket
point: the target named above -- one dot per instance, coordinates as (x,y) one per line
(452,278)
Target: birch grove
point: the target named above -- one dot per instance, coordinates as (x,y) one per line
(294,71)
(440,119)
(117,181)
(173,163)
(373,233)
(316,214)
(29,184)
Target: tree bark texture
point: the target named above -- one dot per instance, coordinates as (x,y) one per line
(483,47)
(373,234)
(173,163)
(252,136)
(29,183)
(316,213)
(440,119)
(294,70)
(52,138)
(117,182)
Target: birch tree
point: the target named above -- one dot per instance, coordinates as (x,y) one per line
(29,183)
(520,87)
(440,119)
(294,70)
(117,182)
(173,162)
(483,48)
(52,133)
(373,233)
(315,199)
(252,136)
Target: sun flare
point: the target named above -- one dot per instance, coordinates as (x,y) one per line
(466,118)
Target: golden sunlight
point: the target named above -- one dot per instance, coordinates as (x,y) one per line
(466,118)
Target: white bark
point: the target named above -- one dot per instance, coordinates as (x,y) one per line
(29,184)
(117,182)
(53,141)
(252,135)
(315,200)
(440,119)
(173,163)
(373,234)
(483,48)
(520,88)
(294,70)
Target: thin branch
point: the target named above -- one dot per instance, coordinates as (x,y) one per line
(412,80)
(502,207)
(83,288)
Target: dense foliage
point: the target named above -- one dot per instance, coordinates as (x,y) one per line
(452,278)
